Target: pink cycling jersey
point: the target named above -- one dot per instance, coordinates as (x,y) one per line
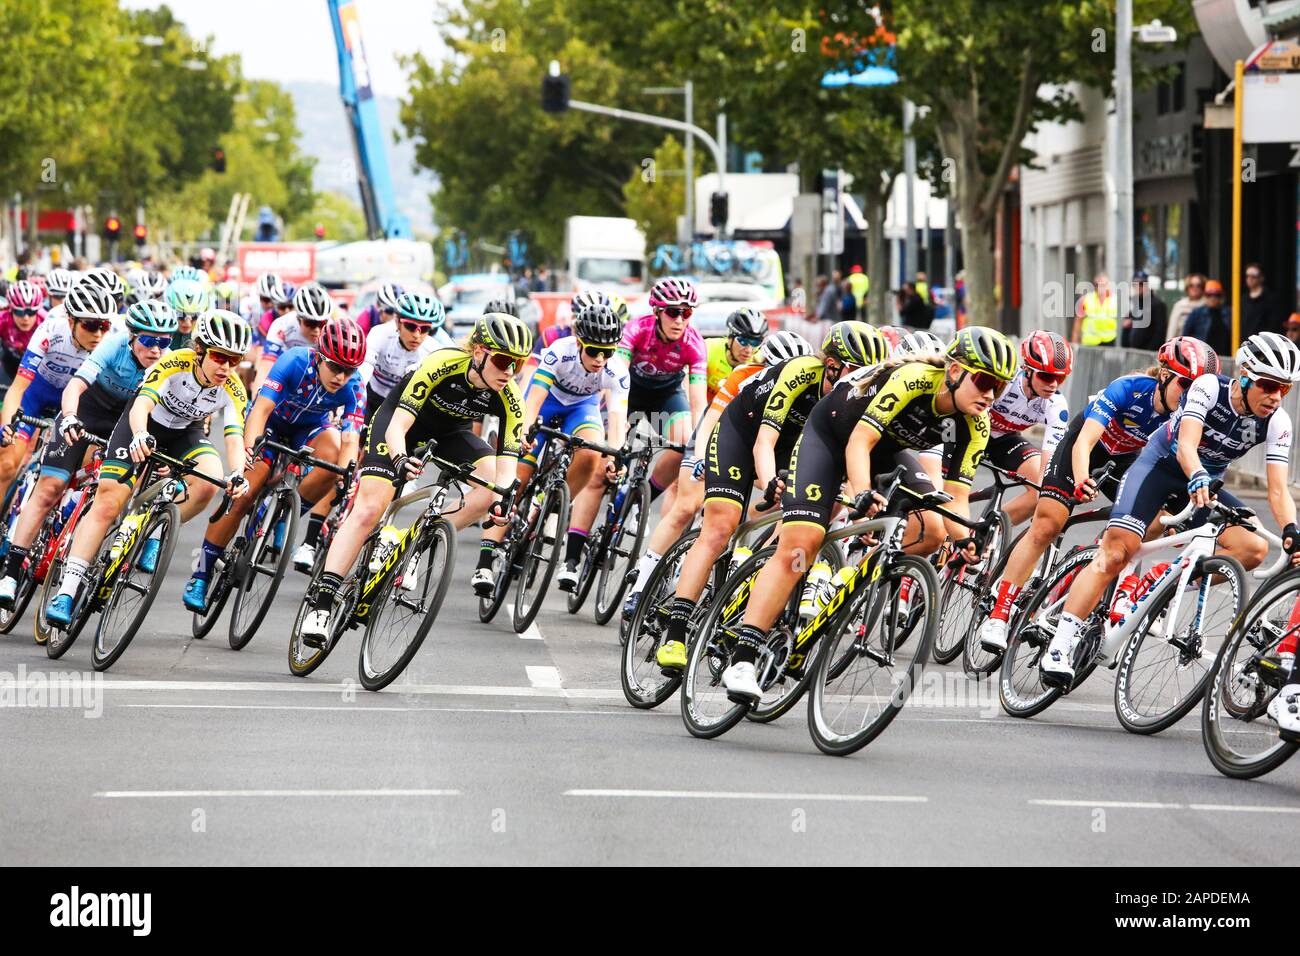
(657,364)
(13,339)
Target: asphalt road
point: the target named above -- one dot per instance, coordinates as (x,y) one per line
(497,748)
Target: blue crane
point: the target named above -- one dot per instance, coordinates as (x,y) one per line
(383,221)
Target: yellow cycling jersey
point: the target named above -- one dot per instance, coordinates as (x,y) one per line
(719,365)
(180,400)
(438,393)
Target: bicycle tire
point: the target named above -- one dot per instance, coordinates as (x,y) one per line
(843,744)
(441,536)
(27,582)
(201,625)
(284,508)
(644,636)
(504,561)
(555,502)
(54,647)
(593,554)
(1125,710)
(168,519)
(345,602)
(972,591)
(955,598)
(1226,680)
(610,586)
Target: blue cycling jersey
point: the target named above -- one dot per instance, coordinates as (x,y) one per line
(113,366)
(1225,435)
(1127,408)
(300,399)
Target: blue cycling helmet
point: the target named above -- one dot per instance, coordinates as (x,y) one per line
(152,317)
(421,307)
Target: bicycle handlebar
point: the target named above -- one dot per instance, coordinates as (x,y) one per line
(41,423)
(575,441)
(301,455)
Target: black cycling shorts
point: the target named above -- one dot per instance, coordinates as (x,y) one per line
(660,406)
(729,471)
(62,460)
(1058,480)
(184,443)
(817,470)
(460,446)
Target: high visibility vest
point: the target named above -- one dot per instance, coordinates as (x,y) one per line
(1100,319)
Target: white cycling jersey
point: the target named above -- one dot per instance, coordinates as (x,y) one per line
(53,355)
(285,333)
(560,371)
(387,360)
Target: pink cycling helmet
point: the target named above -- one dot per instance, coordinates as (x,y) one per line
(25,295)
(673,291)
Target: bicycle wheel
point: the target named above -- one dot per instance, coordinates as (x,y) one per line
(624,550)
(876,676)
(1020,687)
(959,596)
(706,709)
(594,550)
(975,660)
(56,640)
(1160,679)
(505,564)
(644,685)
(303,658)
(133,591)
(27,583)
(1240,738)
(220,584)
(262,566)
(401,614)
(541,555)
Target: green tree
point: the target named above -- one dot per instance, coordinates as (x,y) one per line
(980,65)
(342,218)
(656,194)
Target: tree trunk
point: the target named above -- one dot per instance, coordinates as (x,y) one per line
(977,252)
(877,263)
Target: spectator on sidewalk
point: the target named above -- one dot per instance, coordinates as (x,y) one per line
(1148,317)
(922,287)
(861,286)
(914,311)
(1291,328)
(795,299)
(1260,309)
(848,302)
(1211,322)
(1096,318)
(1193,296)
(828,300)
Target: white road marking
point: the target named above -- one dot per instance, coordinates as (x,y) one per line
(1108,804)
(453,690)
(531,633)
(540,676)
(612,711)
(741,795)
(1230,808)
(167,794)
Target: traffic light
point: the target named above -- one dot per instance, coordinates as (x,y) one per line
(141,234)
(218,159)
(555,93)
(718,210)
(320,231)
(112,228)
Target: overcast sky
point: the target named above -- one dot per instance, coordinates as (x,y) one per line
(292,39)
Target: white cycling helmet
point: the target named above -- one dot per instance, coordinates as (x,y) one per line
(270,287)
(1270,355)
(782,346)
(919,343)
(311,301)
(224,331)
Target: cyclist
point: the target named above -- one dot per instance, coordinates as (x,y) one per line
(1112,428)
(312,308)
(394,348)
(664,352)
(1033,398)
(167,413)
(146,285)
(18,323)
(189,274)
(752,442)
(1218,420)
(93,401)
(566,390)
(872,422)
(110,282)
(295,407)
(745,331)
(438,400)
(189,299)
(382,310)
(55,352)
(57,286)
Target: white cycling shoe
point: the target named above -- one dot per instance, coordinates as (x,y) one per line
(1057,664)
(304,556)
(8,590)
(316,628)
(1285,709)
(567,577)
(993,635)
(482,581)
(741,683)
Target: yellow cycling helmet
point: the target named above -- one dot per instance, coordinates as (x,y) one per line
(984,350)
(501,332)
(855,343)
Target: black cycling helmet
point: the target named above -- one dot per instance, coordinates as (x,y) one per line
(504,306)
(747,323)
(597,325)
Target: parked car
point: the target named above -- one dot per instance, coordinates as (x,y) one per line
(720,297)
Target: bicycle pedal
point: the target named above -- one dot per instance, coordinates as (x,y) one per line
(741,701)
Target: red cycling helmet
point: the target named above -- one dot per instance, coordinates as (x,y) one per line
(1187,357)
(1048,352)
(892,335)
(342,342)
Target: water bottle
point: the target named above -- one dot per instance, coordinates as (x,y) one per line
(818,575)
(125,531)
(738,557)
(1148,581)
(389,538)
(1123,604)
(69,505)
(837,581)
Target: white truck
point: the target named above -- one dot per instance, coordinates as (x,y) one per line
(606,254)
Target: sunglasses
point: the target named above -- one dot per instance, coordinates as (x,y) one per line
(503,362)
(388,311)
(1271,386)
(415,328)
(221,358)
(1214,295)
(337,369)
(595,351)
(676,313)
(154,341)
(24,311)
(985,382)
(1288,329)
(1048,377)
(313,323)
(749,341)
(95,325)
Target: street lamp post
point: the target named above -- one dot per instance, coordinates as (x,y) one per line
(686,90)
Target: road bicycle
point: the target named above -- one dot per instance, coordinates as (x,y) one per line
(395,588)
(253,565)
(15,501)
(1158,647)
